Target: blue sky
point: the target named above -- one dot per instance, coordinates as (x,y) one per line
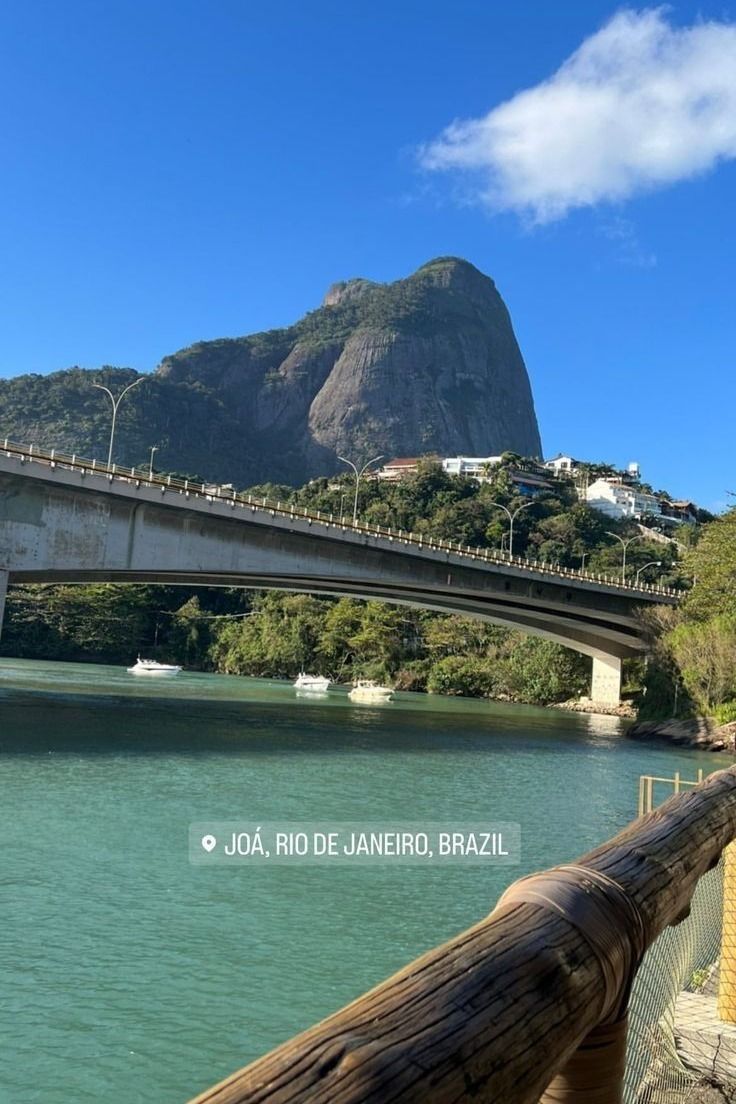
(173,172)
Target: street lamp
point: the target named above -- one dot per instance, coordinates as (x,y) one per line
(154,448)
(652,563)
(358,476)
(343,496)
(624,544)
(115,404)
(511,517)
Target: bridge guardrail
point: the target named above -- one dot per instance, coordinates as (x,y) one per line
(421,541)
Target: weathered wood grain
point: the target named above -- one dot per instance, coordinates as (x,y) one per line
(494,1013)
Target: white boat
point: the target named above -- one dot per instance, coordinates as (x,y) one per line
(365,690)
(315,683)
(151,667)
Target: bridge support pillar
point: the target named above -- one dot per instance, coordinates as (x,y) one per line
(3,592)
(606,681)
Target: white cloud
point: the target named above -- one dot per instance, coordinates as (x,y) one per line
(640,104)
(628,250)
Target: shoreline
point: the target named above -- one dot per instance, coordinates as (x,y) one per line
(625,711)
(699,733)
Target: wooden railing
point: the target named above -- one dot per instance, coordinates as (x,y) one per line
(421,541)
(676,784)
(529,1003)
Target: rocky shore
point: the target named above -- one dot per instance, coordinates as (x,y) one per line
(587,705)
(699,732)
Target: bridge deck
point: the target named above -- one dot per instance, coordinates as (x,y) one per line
(196,494)
(67,519)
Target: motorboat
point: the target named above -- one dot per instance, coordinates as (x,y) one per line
(151,667)
(317,684)
(365,690)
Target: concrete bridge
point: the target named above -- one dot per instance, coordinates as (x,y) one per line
(66,520)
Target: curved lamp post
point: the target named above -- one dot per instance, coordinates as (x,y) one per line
(652,563)
(511,517)
(358,477)
(624,544)
(115,404)
(154,449)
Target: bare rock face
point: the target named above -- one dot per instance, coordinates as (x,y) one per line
(346,290)
(403,394)
(428,364)
(433,367)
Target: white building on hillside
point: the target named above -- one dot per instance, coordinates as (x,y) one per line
(393,471)
(619,500)
(474,466)
(562,465)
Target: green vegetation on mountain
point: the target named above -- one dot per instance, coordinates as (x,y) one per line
(277,634)
(427,363)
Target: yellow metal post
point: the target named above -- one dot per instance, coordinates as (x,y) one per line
(727,976)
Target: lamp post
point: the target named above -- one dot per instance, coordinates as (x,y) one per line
(154,448)
(115,404)
(511,517)
(652,563)
(343,496)
(358,477)
(624,544)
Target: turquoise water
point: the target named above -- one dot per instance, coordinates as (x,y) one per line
(125,966)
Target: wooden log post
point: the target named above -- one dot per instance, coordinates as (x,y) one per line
(727,968)
(520,999)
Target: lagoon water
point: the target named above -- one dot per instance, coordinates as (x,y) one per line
(128,971)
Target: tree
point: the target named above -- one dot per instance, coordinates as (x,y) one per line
(342,622)
(279,638)
(377,643)
(695,645)
(712,563)
(705,652)
(463,675)
(541,671)
(188,635)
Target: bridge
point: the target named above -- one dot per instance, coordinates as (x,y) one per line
(65,519)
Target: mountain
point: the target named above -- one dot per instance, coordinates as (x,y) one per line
(429,363)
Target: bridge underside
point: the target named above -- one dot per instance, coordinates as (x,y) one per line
(56,527)
(560,628)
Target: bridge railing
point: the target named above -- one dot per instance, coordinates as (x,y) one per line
(422,541)
(529,1003)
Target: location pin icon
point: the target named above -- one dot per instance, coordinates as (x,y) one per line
(209,843)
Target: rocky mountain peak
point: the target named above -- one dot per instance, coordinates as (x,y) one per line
(346,290)
(425,364)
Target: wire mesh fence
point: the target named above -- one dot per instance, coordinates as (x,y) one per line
(679,1051)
